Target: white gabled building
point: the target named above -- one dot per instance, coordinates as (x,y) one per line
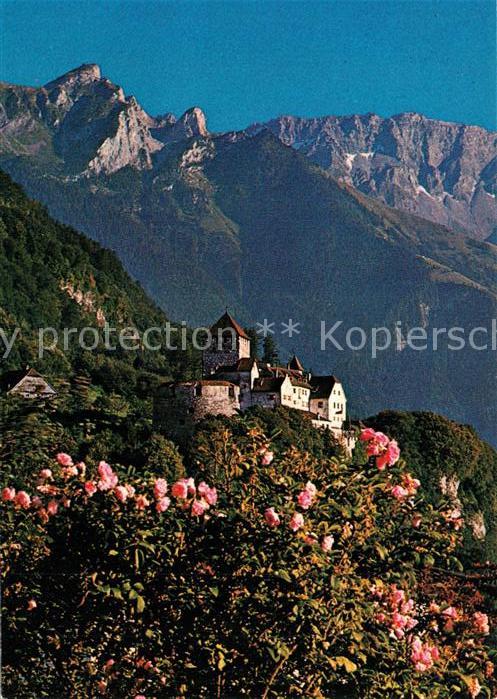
(234,381)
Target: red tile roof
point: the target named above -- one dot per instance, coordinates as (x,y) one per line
(227,321)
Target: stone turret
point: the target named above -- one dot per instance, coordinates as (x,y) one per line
(179,405)
(229,344)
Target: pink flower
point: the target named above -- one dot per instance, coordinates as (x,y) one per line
(202,488)
(64,459)
(130,489)
(311,488)
(52,507)
(23,500)
(387,451)
(45,473)
(272,518)
(304,499)
(382,461)
(104,469)
(397,596)
(207,493)
(160,488)
(480,623)
(211,496)
(190,484)
(140,696)
(423,655)
(373,449)
(162,504)
(381,439)
(451,615)
(367,434)
(296,522)
(8,494)
(141,502)
(31,605)
(393,453)
(70,471)
(450,612)
(108,479)
(199,507)
(108,665)
(36,501)
(90,488)
(267,457)
(121,493)
(180,489)
(410,484)
(327,543)
(399,492)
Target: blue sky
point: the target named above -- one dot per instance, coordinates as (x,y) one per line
(247,61)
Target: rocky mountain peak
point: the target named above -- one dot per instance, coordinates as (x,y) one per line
(83,75)
(443,171)
(194,122)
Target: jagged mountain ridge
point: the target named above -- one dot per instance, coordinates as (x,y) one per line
(442,171)
(244,220)
(85,123)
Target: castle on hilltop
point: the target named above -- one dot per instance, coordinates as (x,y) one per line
(234,381)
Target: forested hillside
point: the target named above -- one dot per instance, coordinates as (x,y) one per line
(54,277)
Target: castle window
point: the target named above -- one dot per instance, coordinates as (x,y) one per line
(198,390)
(320,404)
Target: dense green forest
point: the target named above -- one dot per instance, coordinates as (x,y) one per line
(53,277)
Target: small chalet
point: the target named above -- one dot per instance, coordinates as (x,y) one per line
(27,383)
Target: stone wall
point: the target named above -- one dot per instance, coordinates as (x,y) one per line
(177,407)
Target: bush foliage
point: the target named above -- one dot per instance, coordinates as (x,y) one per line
(268,572)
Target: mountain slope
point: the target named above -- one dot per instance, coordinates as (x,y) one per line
(442,171)
(207,221)
(53,277)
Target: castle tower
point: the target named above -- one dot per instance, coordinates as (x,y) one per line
(229,343)
(295,364)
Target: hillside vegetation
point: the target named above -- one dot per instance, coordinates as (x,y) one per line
(54,277)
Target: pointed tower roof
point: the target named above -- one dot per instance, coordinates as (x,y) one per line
(227,321)
(295,364)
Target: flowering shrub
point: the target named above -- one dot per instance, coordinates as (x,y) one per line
(263,574)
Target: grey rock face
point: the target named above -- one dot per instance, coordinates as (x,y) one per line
(87,125)
(84,123)
(444,172)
